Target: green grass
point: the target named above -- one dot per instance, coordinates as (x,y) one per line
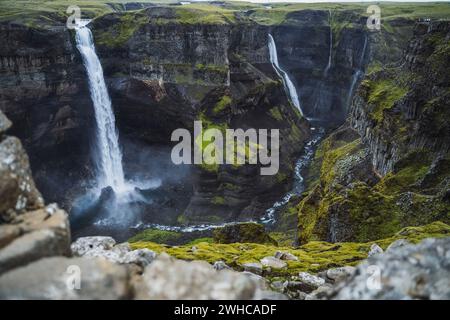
(44,13)
(313,257)
(383,95)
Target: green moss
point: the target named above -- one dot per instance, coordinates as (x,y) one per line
(156,235)
(276,114)
(383,95)
(222,104)
(218,200)
(313,257)
(242,232)
(121,31)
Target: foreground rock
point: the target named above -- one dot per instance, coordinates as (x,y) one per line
(34,235)
(168,278)
(57,278)
(106,247)
(17,190)
(406,272)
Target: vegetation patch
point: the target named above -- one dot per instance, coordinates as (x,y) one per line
(313,257)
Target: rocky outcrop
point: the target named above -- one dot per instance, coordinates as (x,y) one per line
(167,278)
(28,230)
(66,278)
(409,272)
(416,106)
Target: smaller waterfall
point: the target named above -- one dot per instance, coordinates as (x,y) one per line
(327,68)
(283,74)
(357,75)
(109,157)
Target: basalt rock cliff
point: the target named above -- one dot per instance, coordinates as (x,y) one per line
(388,166)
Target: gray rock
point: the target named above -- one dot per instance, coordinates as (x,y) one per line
(92,246)
(18,192)
(254,267)
(105,247)
(411,272)
(374,250)
(5,123)
(397,244)
(273,262)
(56,278)
(309,282)
(220,265)
(321,293)
(340,274)
(285,256)
(142,257)
(38,234)
(168,278)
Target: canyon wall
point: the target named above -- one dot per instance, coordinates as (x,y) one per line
(388,166)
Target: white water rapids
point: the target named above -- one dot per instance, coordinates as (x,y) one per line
(109,157)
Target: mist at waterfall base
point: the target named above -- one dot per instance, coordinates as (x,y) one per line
(160,192)
(114,200)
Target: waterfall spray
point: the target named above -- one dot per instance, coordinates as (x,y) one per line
(109,157)
(290,88)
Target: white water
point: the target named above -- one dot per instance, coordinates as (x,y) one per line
(357,75)
(283,75)
(330,51)
(109,157)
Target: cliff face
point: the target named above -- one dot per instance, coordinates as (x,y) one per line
(165,69)
(325,52)
(389,166)
(172,74)
(43,90)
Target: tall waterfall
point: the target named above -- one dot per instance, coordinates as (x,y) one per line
(109,157)
(330,51)
(357,75)
(283,75)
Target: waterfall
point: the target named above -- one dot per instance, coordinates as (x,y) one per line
(292,92)
(109,157)
(358,74)
(327,68)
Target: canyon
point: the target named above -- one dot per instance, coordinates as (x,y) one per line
(364,146)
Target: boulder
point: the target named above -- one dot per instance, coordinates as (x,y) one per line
(92,246)
(242,232)
(309,282)
(220,265)
(339,274)
(409,272)
(374,250)
(273,262)
(253,267)
(169,278)
(285,256)
(34,235)
(57,278)
(18,192)
(5,123)
(105,247)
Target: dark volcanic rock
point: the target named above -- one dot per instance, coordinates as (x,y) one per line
(242,232)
